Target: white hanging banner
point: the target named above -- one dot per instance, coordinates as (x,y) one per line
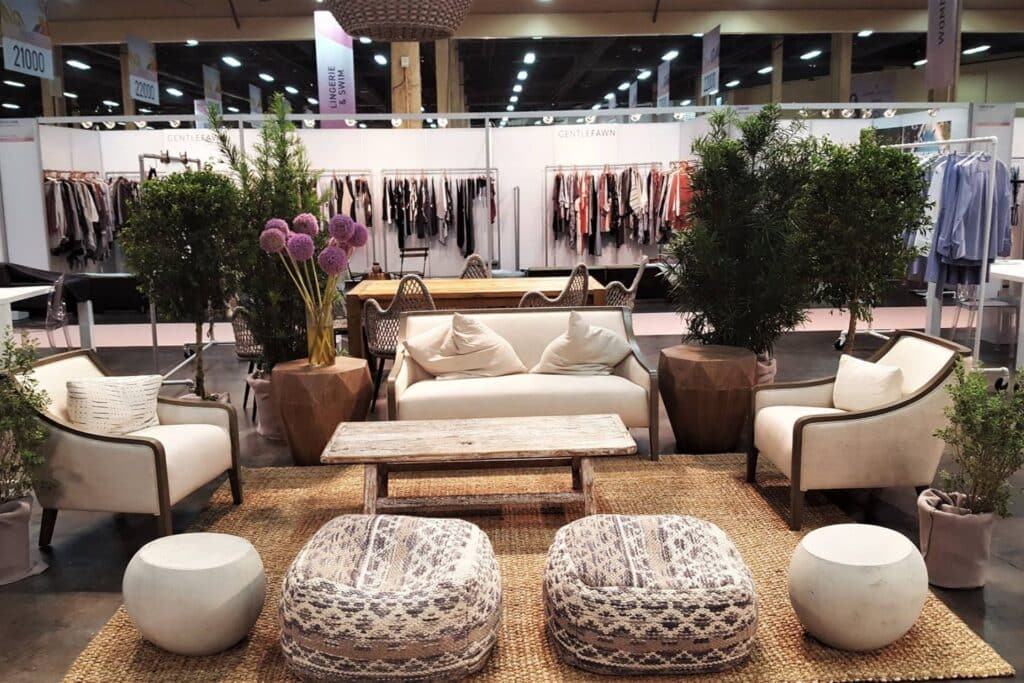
(212,92)
(664,78)
(632,94)
(202,112)
(709,64)
(142,73)
(943,56)
(335,70)
(255,99)
(26,38)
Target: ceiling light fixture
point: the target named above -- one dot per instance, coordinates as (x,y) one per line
(231,61)
(174,92)
(266,78)
(590,119)
(364,40)
(933,112)
(610,96)
(766,70)
(810,55)
(510,108)
(15,84)
(191,42)
(111,103)
(233,110)
(433,125)
(978,49)
(826,113)
(313,101)
(87,124)
(697,35)
(867,113)
(351,123)
(921,62)
(291,90)
(644,74)
(596,106)
(538,37)
(380,59)
(686,103)
(733,83)
(846,113)
(514,99)
(670,55)
(713,92)
(76,64)
(362,125)
(889,113)
(70,95)
(865,33)
(517,88)
(175,123)
(143,110)
(624,86)
(109,125)
(634,117)
(443,123)
(309,123)
(522,75)
(548,119)
(8,105)
(536,123)
(529,58)
(802,113)
(579,120)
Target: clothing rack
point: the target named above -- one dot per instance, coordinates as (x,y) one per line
(359,174)
(165,158)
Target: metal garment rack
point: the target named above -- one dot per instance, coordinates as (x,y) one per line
(933,325)
(562,168)
(491,175)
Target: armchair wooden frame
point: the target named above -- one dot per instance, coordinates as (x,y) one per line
(796,494)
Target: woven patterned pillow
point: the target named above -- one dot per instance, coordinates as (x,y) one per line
(114,405)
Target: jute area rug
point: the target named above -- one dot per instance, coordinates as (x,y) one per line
(285,506)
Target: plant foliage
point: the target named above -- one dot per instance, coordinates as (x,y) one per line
(182,238)
(986,432)
(275,180)
(740,276)
(858,204)
(21,430)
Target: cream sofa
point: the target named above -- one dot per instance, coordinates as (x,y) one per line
(143,472)
(797,427)
(631,390)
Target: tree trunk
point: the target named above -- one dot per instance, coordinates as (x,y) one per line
(851,332)
(200,378)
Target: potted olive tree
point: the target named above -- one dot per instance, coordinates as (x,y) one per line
(21,435)
(181,239)
(986,434)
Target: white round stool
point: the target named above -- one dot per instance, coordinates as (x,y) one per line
(195,594)
(857,586)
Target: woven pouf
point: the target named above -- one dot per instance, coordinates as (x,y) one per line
(635,595)
(389,598)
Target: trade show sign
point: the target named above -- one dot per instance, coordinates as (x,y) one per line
(212,92)
(336,78)
(709,70)
(142,73)
(26,38)
(255,99)
(943,55)
(664,78)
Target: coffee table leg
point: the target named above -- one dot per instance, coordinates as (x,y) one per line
(382,481)
(370,483)
(577,480)
(587,477)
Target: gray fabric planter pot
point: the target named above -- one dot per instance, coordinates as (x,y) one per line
(955,543)
(16,560)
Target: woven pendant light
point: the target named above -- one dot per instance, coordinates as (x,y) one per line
(400,20)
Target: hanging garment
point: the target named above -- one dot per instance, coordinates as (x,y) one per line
(448,214)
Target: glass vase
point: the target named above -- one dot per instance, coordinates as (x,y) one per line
(320,335)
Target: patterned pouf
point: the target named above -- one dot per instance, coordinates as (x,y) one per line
(388,598)
(642,595)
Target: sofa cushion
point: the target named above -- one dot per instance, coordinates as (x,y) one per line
(196,453)
(525,396)
(773,431)
(861,385)
(584,349)
(465,348)
(113,405)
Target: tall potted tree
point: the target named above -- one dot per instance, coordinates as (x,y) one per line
(21,435)
(986,434)
(181,238)
(860,202)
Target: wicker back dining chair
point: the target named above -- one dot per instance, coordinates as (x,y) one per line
(339,312)
(618,295)
(246,348)
(573,296)
(57,314)
(380,325)
(475,268)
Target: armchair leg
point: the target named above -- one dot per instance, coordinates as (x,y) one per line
(377,378)
(796,508)
(46,528)
(655,443)
(234,476)
(752,465)
(164,524)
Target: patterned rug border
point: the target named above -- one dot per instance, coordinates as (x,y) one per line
(284,506)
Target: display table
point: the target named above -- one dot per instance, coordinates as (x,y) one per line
(10,295)
(706,390)
(312,401)
(1012,271)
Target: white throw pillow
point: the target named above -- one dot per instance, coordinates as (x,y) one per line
(861,385)
(466,348)
(114,405)
(583,350)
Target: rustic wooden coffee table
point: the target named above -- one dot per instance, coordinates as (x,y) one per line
(521,442)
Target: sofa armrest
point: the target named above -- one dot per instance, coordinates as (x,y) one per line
(635,369)
(404,373)
(816,393)
(177,412)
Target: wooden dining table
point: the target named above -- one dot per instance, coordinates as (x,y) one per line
(457,294)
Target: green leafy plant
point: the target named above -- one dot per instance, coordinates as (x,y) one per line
(182,238)
(739,275)
(21,431)
(986,432)
(276,180)
(859,202)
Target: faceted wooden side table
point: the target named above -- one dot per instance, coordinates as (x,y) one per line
(706,390)
(312,402)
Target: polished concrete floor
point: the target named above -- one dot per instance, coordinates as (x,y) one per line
(46,620)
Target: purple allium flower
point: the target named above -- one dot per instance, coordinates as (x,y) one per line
(333,260)
(359,236)
(300,246)
(271,240)
(341,227)
(306,223)
(277,224)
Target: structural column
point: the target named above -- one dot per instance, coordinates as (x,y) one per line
(127,103)
(777,53)
(406,81)
(841,66)
(54,103)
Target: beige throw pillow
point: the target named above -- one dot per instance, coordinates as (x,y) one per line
(466,348)
(583,350)
(861,385)
(114,405)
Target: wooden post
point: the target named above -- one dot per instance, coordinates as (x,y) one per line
(406,81)
(127,103)
(841,66)
(777,62)
(442,75)
(52,91)
(370,489)
(587,477)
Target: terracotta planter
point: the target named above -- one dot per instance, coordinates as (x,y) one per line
(16,561)
(955,543)
(268,420)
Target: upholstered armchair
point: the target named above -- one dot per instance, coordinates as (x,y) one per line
(144,472)
(798,428)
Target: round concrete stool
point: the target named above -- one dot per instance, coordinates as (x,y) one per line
(857,586)
(195,594)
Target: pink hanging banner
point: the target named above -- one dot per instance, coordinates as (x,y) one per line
(335,70)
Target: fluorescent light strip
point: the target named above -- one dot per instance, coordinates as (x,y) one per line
(231,61)
(810,55)
(15,84)
(76,64)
